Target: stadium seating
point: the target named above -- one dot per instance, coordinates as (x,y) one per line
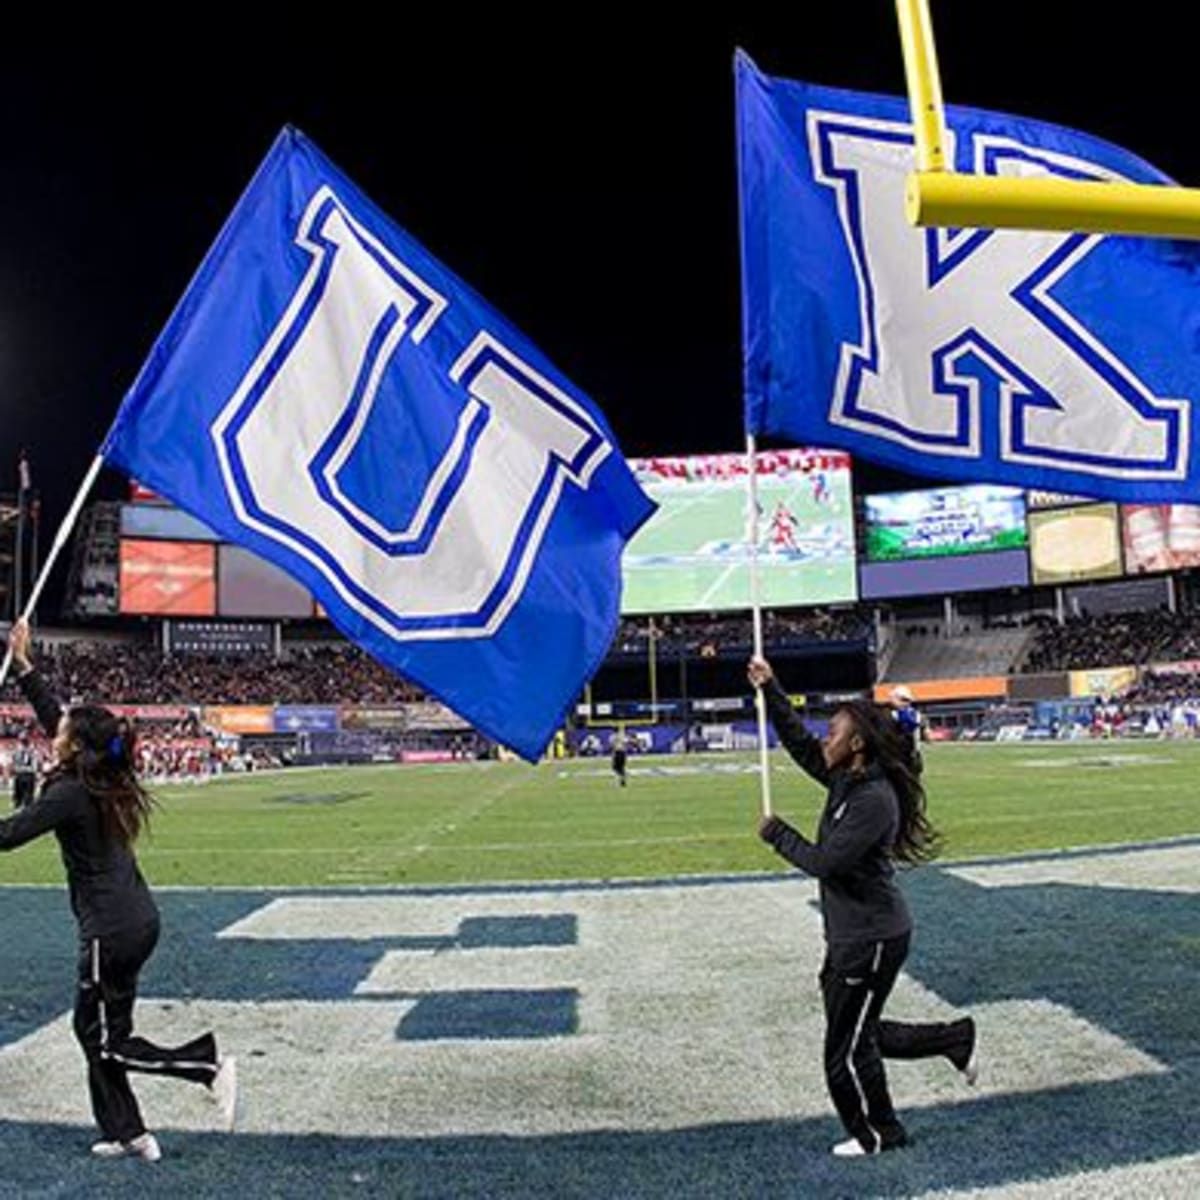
(138,673)
(990,652)
(1115,639)
(701,633)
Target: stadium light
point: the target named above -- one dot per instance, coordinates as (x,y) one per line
(937,195)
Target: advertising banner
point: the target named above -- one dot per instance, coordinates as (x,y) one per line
(1103,681)
(429,714)
(360,716)
(1189,667)
(924,691)
(240,718)
(296,718)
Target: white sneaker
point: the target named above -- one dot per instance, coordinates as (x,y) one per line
(851,1148)
(224,1091)
(145,1147)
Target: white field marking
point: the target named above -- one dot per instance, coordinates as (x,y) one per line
(696,760)
(742,768)
(664,518)
(1107,760)
(1164,1179)
(682,508)
(402,850)
(720,581)
(416,840)
(386,851)
(684,997)
(600,843)
(1080,746)
(1022,817)
(176,790)
(162,849)
(1171,869)
(182,788)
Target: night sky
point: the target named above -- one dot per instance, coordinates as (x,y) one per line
(577,170)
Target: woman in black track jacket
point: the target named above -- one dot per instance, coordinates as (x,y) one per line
(95,805)
(874,816)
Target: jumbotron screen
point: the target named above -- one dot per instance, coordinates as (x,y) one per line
(168,578)
(693,555)
(979,519)
(1160,537)
(1072,544)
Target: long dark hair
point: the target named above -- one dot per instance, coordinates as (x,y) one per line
(895,752)
(103,759)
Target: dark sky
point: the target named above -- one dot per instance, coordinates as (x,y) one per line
(577,170)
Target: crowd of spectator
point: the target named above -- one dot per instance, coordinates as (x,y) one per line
(1166,690)
(139,673)
(1115,639)
(979,624)
(708,634)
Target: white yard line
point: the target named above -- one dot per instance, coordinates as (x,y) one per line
(719,583)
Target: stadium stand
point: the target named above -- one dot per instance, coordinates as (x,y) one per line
(1164,688)
(920,656)
(705,634)
(1126,638)
(824,653)
(139,673)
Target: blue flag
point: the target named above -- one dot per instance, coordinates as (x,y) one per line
(1046,360)
(330,396)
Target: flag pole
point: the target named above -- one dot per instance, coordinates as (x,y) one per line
(19,549)
(60,540)
(760,701)
(35,516)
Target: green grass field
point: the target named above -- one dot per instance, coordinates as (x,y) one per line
(691,556)
(681,815)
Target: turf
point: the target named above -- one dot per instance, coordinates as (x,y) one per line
(468,823)
(694,1068)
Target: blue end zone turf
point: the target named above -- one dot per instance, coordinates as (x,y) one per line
(1125,960)
(492,1014)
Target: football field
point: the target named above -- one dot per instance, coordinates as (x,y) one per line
(501,980)
(681,815)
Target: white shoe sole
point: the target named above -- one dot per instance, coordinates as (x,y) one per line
(851,1148)
(224,1092)
(145,1147)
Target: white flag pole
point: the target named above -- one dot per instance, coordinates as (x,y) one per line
(60,540)
(760,701)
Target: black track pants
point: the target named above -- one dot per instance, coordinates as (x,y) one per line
(108,975)
(856,980)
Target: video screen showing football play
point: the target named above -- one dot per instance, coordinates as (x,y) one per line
(693,554)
